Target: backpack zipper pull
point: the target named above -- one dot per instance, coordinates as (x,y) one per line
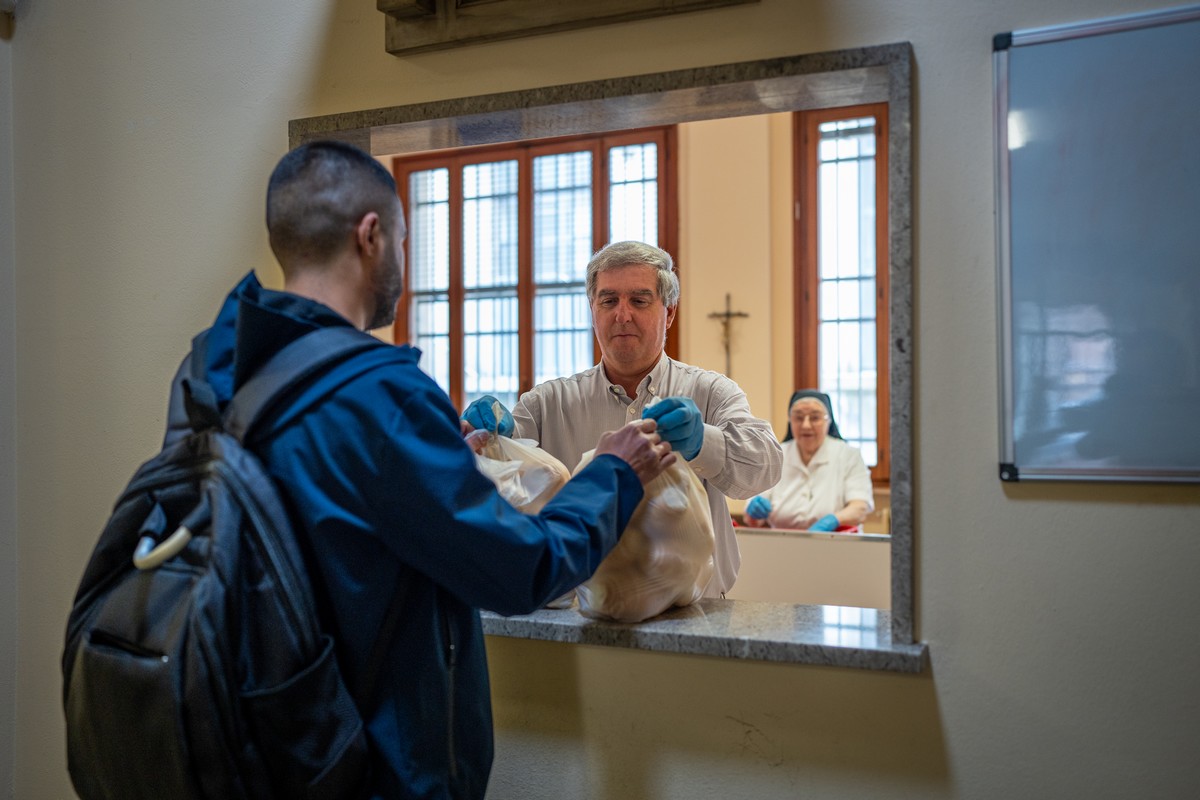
(150,555)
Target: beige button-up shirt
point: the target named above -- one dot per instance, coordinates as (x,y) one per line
(739,458)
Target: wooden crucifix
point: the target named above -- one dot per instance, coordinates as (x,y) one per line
(727,316)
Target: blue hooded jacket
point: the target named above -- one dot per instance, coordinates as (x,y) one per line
(387,497)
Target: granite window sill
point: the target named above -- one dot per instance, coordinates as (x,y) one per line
(835,636)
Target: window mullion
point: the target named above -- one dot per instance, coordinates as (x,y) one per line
(883,292)
(525,287)
(805,317)
(400,331)
(456,293)
(600,212)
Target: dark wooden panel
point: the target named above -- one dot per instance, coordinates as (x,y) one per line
(414,26)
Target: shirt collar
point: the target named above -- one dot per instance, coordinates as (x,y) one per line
(822,454)
(651,386)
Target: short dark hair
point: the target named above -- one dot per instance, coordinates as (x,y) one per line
(317,193)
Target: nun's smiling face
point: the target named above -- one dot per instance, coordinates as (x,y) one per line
(810,425)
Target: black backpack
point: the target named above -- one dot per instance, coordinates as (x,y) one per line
(203,672)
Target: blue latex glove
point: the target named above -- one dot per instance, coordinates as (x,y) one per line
(826,523)
(479,415)
(679,423)
(758,508)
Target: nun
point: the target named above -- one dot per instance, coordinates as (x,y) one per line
(825,485)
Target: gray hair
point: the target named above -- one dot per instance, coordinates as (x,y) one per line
(626,254)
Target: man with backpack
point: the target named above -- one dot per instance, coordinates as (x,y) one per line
(383,491)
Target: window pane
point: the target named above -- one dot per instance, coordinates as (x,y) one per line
(563,225)
(562,217)
(429,230)
(429,271)
(846,198)
(633,193)
(866,288)
(490,224)
(851,378)
(847,300)
(866,219)
(848,374)
(848,364)
(563,342)
(431,333)
(491,348)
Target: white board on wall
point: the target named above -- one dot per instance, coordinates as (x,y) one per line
(1098,245)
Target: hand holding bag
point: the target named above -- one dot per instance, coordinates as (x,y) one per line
(665,556)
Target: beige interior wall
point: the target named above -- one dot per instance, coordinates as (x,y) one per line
(725,248)
(8,420)
(1057,615)
(729,243)
(816,569)
(736,211)
(782,334)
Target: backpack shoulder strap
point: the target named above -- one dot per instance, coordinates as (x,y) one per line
(304,358)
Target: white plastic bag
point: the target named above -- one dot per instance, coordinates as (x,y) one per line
(526,476)
(664,558)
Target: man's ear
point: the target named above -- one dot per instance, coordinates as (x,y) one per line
(368,234)
(671,314)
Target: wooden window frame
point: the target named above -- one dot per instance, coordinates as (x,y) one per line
(806,136)
(524,153)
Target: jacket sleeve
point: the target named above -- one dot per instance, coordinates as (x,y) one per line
(443,517)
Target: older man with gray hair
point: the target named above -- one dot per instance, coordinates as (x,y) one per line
(634,295)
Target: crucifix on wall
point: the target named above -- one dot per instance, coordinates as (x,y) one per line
(727,317)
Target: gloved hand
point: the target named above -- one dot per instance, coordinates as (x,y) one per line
(480,416)
(759,507)
(826,523)
(679,423)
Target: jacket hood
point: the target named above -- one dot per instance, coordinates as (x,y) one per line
(253,324)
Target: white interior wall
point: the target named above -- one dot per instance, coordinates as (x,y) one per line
(1057,615)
